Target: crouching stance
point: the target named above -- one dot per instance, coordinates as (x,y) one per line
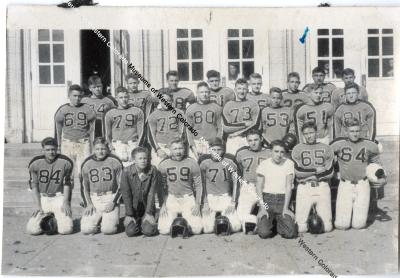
(220,189)
(101,173)
(274,183)
(50,182)
(139,184)
(182,185)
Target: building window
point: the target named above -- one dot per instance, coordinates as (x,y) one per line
(380,52)
(240,53)
(189,48)
(51,57)
(331,51)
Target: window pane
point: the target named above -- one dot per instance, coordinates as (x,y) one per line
(44,35)
(58,35)
(44,53)
(338,66)
(58,53)
(233,33)
(196,33)
(183,71)
(387,67)
(44,75)
(387,31)
(325,65)
(247,33)
(337,47)
(337,32)
(182,33)
(248,68)
(197,71)
(373,31)
(323,31)
(373,46)
(197,49)
(233,49)
(323,47)
(58,73)
(182,50)
(373,67)
(247,49)
(387,46)
(234,70)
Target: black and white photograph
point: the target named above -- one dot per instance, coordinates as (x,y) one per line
(161,141)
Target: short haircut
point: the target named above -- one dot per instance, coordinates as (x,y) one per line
(216,142)
(351,86)
(120,89)
(100,140)
(139,150)
(318,70)
(49,141)
(213,73)
(131,76)
(74,87)
(172,73)
(253,132)
(202,84)
(278,143)
(293,74)
(348,71)
(309,124)
(93,79)
(255,75)
(176,140)
(240,81)
(352,122)
(275,90)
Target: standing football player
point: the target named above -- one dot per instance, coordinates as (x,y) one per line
(219,95)
(50,182)
(182,187)
(124,126)
(318,75)
(263,100)
(313,169)
(354,154)
(101,174)
(292,96)
(139,98)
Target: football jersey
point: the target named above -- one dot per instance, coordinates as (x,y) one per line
(236,112)
(339,97)
(354,157)
(263,100)
(75,121)
(102,175)
(99,105)
(276,122)
(142,99)
(222,95)
(164,126)
(50,176)
(292,100)
(321,114)
(180,97)
(217,178)
(180,177)
(124,124)
(327,89)
(249,160)
(206,119)
(362,111)
(308,157)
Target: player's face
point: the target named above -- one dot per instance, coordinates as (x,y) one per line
(141,160)
(254,141)
(100,150)
(353,133)
(293,84)
(316,95)
(318,77)
(203,94)
(50,152)
(173,82)
(348,79)
(97,89)
(310,135)
(168,99)
(177,151)
(256,84)
(123,99)
(241,91)
(132,84)
(276,99)
(218,150)
(75,97)
(278,154)
(213,82)
(351,95)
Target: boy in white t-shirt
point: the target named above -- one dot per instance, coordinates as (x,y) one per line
(274,183)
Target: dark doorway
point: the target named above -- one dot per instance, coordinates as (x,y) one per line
(95,57)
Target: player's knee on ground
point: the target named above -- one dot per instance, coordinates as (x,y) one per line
(149,229)
(109,227)
(302,227)
(264,227)
(236,226)
(359,223)
(87,227)
(195,224)
(164,225)
(341,224)
(286,227)
(33,227)
(65,225)
(208,224)
(328,227)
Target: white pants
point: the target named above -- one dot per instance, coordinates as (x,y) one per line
(51,204)
(77,152)
(306,197)
(248,198)
(219,203)
(234,143)
(124,150)
(109,221)
(352,204)
(183,205)
(155,159)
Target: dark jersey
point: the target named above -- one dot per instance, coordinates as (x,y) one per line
(249,160)
(263,100)
(235,113)
(292,100)
(276,122)
(99,105)
(144,100)
(217,178)
(181,97)
(222,95)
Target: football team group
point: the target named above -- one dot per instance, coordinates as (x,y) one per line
(263,163)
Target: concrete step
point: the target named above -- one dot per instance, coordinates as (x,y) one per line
(16,162)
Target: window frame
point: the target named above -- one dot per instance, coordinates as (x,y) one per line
(380,57)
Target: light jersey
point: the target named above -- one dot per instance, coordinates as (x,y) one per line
(249,160)
(124,124)
(180,97)
(364,112)
(75,121)
(181,176)
(222,95)
(263,100)
(140,99)
(50,177)
(354,157)
(164,126)
(292,100)
(236,112)
(217,178)
(99,105)
(276,122)
(206,119)
(102,175)
(275,175)
(321,114)
(338,96)
(327,89)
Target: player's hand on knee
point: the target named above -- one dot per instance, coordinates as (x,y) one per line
(66,208)
(196,210)
(206,209)
(109,207)
(380,182)
(90,209)
(288,212)
(149,218)
(128,219)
